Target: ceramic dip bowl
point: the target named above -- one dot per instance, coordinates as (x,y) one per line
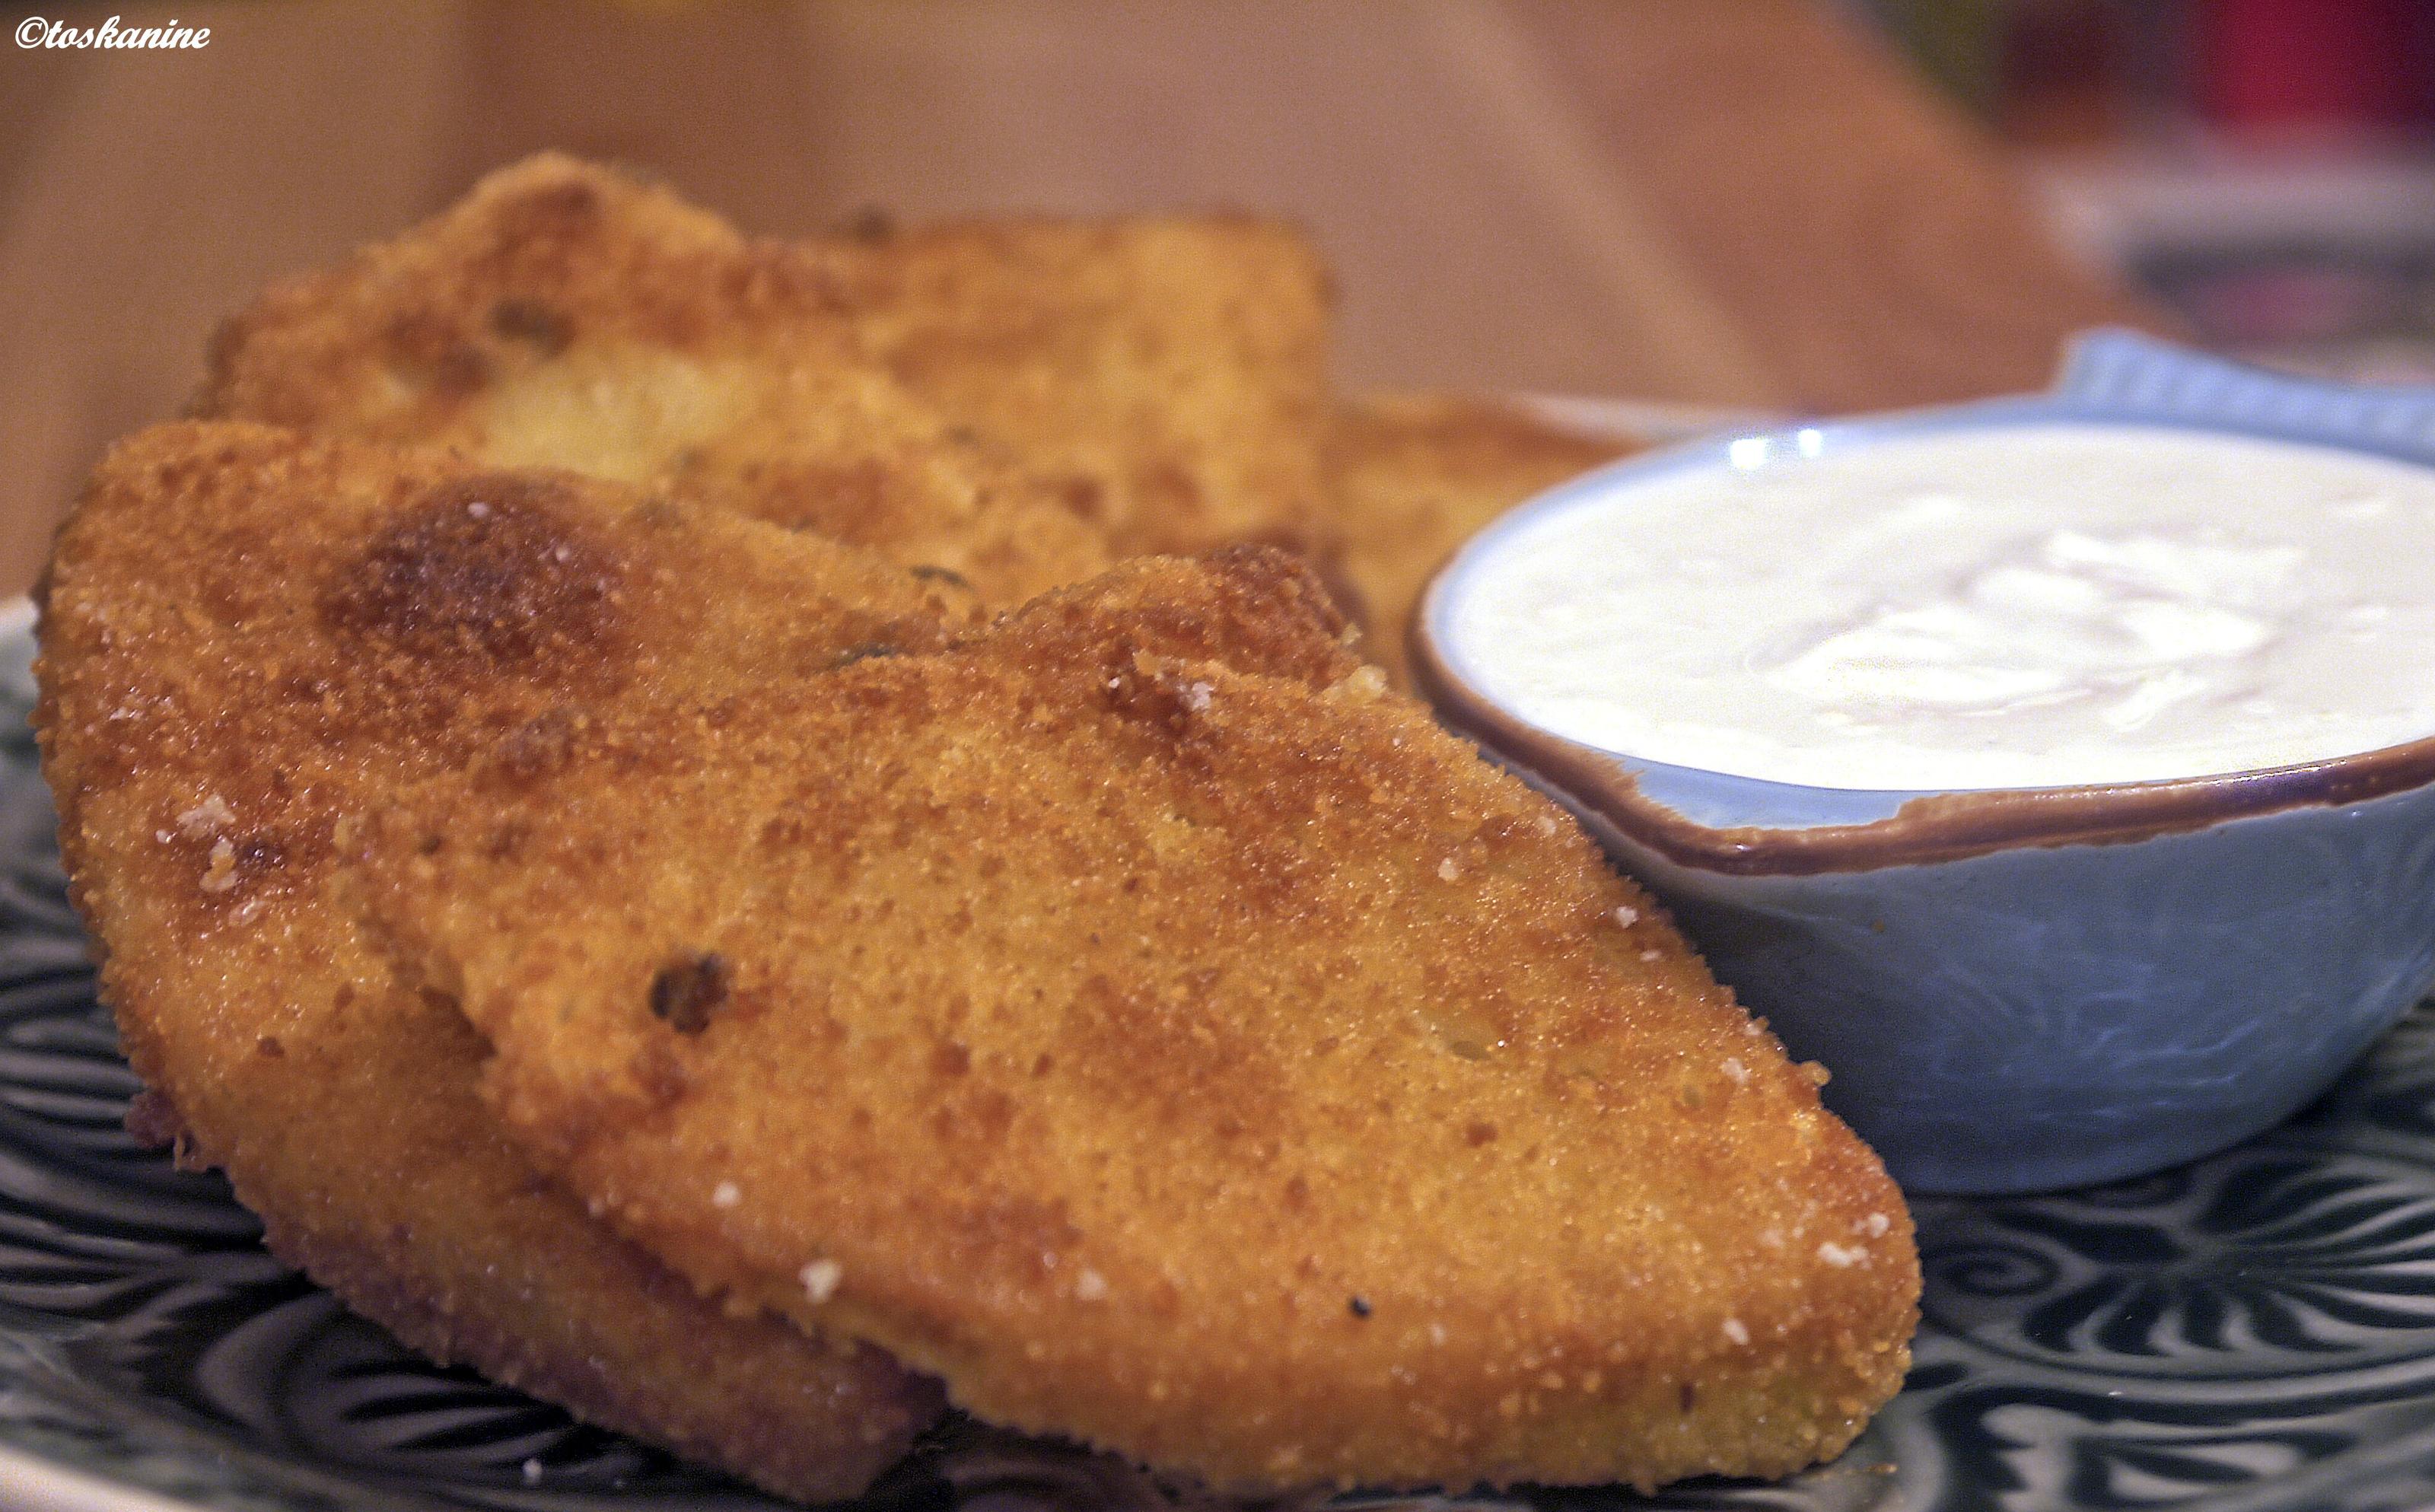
(2042,986)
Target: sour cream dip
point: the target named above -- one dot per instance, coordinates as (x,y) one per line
(2035,604)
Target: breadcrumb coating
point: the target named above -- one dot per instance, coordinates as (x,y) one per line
(1168,1037)
(1019,402)
(248,640)
(562,315)
(1170,372)
(645,930)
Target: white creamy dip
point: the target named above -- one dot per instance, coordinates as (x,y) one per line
(2032,606)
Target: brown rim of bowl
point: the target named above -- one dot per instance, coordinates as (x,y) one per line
(1938,827)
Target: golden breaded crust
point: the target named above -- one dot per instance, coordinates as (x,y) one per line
(1256,609)
(248,639)
(1170,371)
(1175,1042)
(565,316)
(1410,478)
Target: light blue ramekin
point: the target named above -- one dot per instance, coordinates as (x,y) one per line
(2043,987)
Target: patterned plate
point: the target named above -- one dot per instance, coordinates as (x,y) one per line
(2256,1331)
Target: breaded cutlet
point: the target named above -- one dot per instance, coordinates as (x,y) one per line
(1410,478)
(251,639)
(1170,371)
(1142,1020)
(562,315)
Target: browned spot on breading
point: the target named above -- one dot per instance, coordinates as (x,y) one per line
(1156,697)
(687,992)
(541,326)
(1172,489)
(560,212)
(540,746)
(1252,608)
(870,652)
(414,338)
(1085,497)
(484,571)
(461,370)
(259,853)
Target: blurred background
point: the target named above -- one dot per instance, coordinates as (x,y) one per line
(1782,206)
(2262,167)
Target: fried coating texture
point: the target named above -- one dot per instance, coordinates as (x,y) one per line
(1169,371)
(248,638)
(1410,478)
(1142,1020)
(566,316)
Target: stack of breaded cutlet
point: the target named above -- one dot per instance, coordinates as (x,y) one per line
(760,838)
